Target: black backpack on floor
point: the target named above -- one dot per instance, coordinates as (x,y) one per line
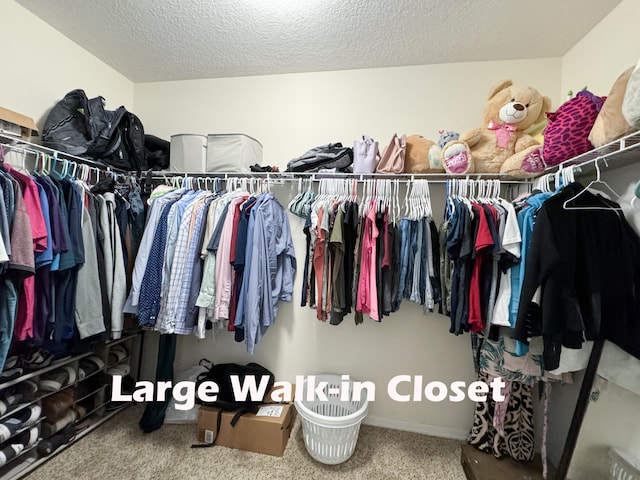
(221,374)
(226,401)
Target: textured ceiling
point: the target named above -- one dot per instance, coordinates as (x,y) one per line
(159,40)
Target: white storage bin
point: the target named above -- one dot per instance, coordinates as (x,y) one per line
(232,152)
(188,153)
(330,429)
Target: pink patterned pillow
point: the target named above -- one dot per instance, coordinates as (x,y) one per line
(567,133)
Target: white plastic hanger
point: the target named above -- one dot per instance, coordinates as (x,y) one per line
(598,181)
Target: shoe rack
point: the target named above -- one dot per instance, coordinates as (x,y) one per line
(75,391)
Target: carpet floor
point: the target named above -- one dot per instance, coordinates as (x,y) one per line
(119,450)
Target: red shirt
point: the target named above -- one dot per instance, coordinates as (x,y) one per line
(483,241)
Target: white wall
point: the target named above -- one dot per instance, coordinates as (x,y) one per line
(292,113)
(611,47)
(40,65)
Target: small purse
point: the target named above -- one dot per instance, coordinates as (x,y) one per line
(392,160)
(365,153)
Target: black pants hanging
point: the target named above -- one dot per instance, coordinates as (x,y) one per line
(153,416)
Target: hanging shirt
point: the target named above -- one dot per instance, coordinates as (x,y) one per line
(119,287)
(33,207)
(4,258)
(405,234)
(89,318)
(149,296)
(224,270)
(206,296)
(483,242)
(45,257)
(588,264)
(248,282)
(173,231)
(319,255)
(156,209)
(172,313)
(59,232)
(272,269)
(525,224)
(416,258)
(511,241)
(196,225)
(4,220)
(367,291)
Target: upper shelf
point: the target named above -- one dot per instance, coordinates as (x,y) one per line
(33,148)
(620,152)
(617,153)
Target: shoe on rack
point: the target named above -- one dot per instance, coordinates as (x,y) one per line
(11,374)
(71,374)
(91,364)
(55,406)
(54,380)
(50,445)
(11,362)
(117,354)
(29,437)
(37,359)
(122,369)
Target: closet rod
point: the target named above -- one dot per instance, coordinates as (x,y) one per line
(34,149)
(316,177)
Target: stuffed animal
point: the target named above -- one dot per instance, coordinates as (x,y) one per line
(610,123)
(447,136)
(500,145)
(422,156)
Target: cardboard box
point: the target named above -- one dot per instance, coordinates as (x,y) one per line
(17,125)
(267,431)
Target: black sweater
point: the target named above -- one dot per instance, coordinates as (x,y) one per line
(587,263)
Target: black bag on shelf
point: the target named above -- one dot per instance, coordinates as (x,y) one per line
(157,152)
(330,156)
(126,148)
(81,126)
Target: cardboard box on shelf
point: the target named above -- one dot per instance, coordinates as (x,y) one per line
(266,431)
(17,125)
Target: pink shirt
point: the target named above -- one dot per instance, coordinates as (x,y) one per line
(22,259)
(318,266)
(367,301)
(224,269)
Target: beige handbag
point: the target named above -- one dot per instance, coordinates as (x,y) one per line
(392,160)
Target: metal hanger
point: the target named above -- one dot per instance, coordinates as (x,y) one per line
(598,181)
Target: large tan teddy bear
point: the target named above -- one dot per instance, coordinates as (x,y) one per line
(500,145)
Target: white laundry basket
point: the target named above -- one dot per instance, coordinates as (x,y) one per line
(330,428)
(623,466)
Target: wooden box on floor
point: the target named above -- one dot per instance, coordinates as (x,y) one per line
(478,465)
(267,431)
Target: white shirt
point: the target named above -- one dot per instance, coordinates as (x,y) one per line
(511,241)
